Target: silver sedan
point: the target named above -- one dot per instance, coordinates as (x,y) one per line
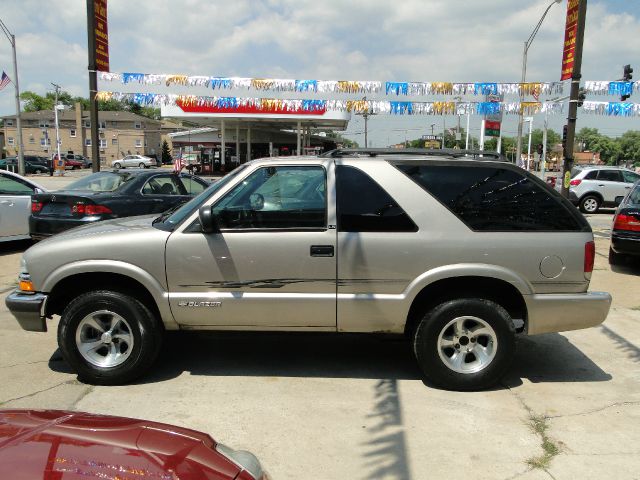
(139,161)
(15,205)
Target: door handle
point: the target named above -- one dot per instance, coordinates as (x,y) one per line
(6,202)
(601,185)
(321,251)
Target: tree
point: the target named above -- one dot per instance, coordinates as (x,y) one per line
(630,146)
(166,153)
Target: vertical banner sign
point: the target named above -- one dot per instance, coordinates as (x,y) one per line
(101,35)
(570,32)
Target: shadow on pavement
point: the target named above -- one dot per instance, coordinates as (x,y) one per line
(539,359)
(14,246)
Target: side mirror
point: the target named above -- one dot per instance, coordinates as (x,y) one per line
(207,219)
(618,200)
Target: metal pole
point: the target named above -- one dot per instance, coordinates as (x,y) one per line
(223,146)
(21,170)
(520,115)
(238,142)
(298,138)
(543,161)
(248,143)
(529,145)
(482,135)
(93,86)
(466,146)
(573,99)
(55,114)
(444,129)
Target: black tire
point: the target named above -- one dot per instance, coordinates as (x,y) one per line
(117,165)
(590,204)
(142,326)
(37,171)
(142,165)
(427,346)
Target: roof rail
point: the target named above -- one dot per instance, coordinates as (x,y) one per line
(442,152)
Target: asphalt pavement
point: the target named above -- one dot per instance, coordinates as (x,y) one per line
(328,407)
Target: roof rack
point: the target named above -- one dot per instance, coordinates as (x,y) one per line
(441,152)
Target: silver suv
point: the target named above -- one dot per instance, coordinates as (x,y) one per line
(595,187)
(459,254)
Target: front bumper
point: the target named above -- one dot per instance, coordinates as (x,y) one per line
(567,311)
(28,310)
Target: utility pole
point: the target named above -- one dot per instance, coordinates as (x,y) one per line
(93,86)
(366,114)
(55,114)
(573,99)
(12,41)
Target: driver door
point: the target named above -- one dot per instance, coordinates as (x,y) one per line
(272,265)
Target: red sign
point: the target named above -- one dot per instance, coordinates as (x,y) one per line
(101,35)
(248,109)
(571,30)
(491,128)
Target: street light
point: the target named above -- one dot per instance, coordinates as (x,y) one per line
(527,44)
(12,41)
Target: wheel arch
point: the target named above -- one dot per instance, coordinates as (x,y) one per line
(71,286)
(494,289)
(591,193)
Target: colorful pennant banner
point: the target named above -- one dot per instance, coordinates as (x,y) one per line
(311,106)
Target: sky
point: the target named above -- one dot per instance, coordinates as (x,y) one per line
(409,40)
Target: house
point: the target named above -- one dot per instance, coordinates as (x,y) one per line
(120,133)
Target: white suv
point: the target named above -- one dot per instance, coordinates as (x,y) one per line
(594,187)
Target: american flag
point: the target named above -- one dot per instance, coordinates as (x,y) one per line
(178,164)
(4,81)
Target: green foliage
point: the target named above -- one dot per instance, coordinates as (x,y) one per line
(32,102)
(346,143)
(166,153)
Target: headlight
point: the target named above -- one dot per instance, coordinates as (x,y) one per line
(246,460)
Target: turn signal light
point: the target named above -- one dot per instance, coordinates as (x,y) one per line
(36,206)
(575,183)
(26,286)
(626,222)
(84,209)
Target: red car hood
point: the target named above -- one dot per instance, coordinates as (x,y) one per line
(55,445)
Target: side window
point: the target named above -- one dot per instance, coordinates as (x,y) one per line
(9,186)
(630,177)
(161,185)
(494,199)
(283,197)
(364,206)
(592,175)
(191,186)
(609,175)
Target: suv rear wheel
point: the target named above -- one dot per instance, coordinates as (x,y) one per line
(465,344)
(589,204)
(109,338)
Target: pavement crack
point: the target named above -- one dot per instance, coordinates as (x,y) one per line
(87,391)
(23,363)
(596,410)
(34,393)
(539,426)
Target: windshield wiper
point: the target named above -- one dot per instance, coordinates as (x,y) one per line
(167,214)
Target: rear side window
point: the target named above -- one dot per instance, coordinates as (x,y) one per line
(493,199)
(609,175)
(364,206)
(592,175)
(630,177)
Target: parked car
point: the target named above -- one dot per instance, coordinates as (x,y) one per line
(56,444)
(139,161)
(460,254)
(11,164)
(625,232)
(105,195)
(72,164)
(593,187)
(81,160)
(15,205)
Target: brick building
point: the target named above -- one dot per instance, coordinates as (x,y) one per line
(120,133)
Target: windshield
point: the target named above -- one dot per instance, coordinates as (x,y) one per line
(634,196)
(101,182)
(169,220)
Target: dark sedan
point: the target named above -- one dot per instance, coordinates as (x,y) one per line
(31,165)
(110,194)
(625,234)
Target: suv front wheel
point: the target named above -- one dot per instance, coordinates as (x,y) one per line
(589,204)
(108,337)
(465,344)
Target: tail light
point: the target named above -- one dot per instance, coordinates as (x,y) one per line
(36,206)
(575,183)
(84,209)
(589,256)
(626,222)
